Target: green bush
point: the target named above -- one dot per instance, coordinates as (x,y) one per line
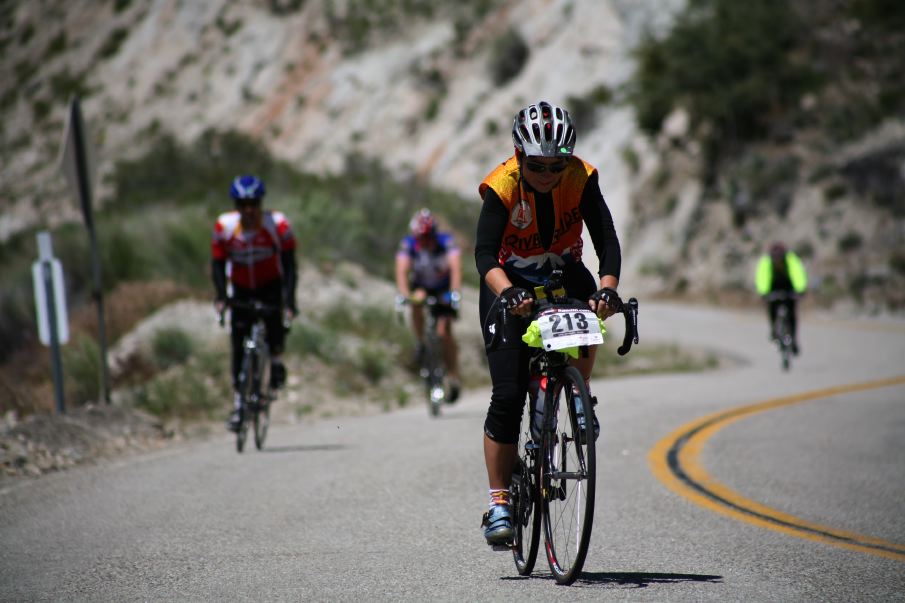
(734,66)
(26,33)
(432,109)
(285,7)
(56,46)
(111,45)
(307,339)
(851,241)
(583,109)
(81,367)
(171,346)
(834,192)
(508,56)
(804,249)
(897,262)
(40,109)
(63,86)
(372,362)
(184,394)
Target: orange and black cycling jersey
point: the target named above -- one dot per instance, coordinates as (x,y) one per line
(530,233)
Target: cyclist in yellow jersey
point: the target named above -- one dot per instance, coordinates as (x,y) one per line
(535,205)
(781,271)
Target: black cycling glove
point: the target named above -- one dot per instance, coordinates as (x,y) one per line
(511,297)
(609,297)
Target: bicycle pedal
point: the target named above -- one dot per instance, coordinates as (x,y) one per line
(501,548)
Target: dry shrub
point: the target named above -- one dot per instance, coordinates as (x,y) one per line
(127,305)
(26,380)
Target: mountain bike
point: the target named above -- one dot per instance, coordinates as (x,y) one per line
(782,326)
(432,366)
(554,481)
(254,375)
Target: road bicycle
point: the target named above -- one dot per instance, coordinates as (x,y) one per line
(254,384)
(431,363)
(554,481)
(782,326)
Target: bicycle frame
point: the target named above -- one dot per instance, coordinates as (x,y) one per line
(543,472)
(256,351)
(782,326)
(255,395)
(433,362)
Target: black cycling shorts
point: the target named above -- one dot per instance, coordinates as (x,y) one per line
(508,355)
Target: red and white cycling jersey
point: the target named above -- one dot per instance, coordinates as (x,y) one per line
(253,257)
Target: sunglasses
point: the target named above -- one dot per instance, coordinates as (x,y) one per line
(242,203)
(539,168)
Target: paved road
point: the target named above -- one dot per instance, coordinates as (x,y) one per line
(387,508)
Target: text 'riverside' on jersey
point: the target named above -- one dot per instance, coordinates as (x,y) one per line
(521,251)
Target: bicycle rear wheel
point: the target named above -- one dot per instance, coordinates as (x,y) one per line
(568,478)
(526,511)
(241,435)
(785,338)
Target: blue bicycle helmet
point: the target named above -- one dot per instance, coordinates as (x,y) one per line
(247,187)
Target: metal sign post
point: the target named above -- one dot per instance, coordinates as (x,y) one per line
(75,165)
(50,303)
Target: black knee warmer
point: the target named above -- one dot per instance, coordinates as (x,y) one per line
(504,417)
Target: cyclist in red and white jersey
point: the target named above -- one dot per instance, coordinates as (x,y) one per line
(254,250)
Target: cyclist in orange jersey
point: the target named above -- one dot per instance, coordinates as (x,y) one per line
(535,205)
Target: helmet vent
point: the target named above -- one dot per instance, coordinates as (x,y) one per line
(543,129)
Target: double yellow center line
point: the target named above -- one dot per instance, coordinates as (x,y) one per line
(675,462)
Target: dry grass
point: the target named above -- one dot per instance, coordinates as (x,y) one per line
(26,380)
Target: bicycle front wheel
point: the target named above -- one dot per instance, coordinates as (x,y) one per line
(264,396)
(246,390)
(568,476)
(261,423)
(432,370)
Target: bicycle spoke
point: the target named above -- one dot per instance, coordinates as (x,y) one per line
(569,480)
(526,505)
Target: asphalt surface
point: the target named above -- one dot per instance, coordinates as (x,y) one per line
(387,508)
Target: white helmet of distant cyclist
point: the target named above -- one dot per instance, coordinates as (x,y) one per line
(543,129)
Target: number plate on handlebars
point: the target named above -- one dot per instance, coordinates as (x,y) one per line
(566,328)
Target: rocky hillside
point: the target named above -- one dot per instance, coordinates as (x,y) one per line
(428,87)
(802,141)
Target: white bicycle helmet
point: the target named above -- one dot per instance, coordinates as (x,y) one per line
(543,130)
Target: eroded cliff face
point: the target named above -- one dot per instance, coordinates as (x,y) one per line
(316,80)
(841,210)
(429,88)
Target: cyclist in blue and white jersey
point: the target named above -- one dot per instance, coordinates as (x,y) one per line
(429,263)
